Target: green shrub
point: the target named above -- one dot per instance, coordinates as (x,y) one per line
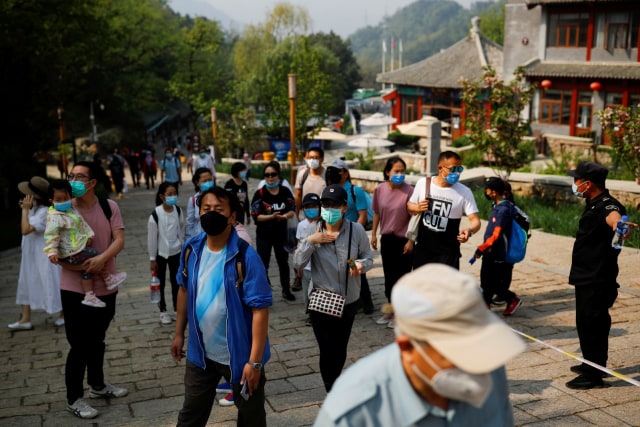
(472,158)
(462,141)
(402,139)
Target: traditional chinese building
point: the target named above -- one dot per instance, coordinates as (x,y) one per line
(432,86)
(583,54)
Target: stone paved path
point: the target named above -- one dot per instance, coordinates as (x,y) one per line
(32,362)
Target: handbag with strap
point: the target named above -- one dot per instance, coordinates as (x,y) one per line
(414,221)
(327,302)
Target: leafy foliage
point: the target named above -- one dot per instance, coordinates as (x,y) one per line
(492,117)
(622,126)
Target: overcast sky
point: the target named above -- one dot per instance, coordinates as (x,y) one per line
(342,16)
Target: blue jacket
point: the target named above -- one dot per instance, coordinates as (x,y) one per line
(254,293)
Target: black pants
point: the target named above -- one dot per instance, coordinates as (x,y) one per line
(332,334)
(593,321)
(174,264)
(365,290)
(200,392)
(423,254)
(395,264)
(118,182)
(86,328)
(263,247)
(495,279)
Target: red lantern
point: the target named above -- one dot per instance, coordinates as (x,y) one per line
(545,84)
(595,86)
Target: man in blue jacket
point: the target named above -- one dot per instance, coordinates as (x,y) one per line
(225,296)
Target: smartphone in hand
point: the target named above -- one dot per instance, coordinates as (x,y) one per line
(245,391)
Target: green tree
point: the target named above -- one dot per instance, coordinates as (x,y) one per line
(348,76)
(203,70)
(492,22)
(622,126)
(492,110)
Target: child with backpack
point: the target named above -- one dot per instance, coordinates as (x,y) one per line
(164,241)
(496,272)
(68,239)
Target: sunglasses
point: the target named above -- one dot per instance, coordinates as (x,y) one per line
(454,169)
(271,175)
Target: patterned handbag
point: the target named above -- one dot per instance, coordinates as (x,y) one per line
(327,302)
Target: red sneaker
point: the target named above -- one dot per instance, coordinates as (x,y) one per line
(512,307)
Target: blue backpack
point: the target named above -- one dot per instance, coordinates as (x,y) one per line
(519,237)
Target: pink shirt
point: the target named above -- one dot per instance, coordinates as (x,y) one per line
(391,204)
(94,216)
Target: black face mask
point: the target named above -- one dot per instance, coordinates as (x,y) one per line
(213,223)
(333,175)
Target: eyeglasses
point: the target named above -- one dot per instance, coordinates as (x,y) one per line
(271,175)
(78,176)
(454,169)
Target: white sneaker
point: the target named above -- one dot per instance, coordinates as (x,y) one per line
(391,324)
(81,409)
(17,326)
(114,280)
(92,300)
(108,391)
(227,400)
(59,321)
(165,318)
(384,319)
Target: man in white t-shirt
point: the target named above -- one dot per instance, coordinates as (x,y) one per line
(439,234)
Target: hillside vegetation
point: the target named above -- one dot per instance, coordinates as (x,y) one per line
(425,27)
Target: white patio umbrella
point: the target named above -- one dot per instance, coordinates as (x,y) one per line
(378,119)
(419,127)
(367,140)
(326,134)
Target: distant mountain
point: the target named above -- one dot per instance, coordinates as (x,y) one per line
(425,27)
(202,8)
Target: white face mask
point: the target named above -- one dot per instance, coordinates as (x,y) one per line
(313,163)
(454,383)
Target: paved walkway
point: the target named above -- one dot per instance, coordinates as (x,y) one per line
(32,362)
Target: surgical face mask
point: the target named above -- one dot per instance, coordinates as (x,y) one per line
(331,215)
(213,223)
(574,188)
(204,186)
(203,155)
(62,206)
(313,163)
(274,184)
(169,156)
(311,212)
(171,200)
(452,178)
(78,188)
(454,383)
(243,174)
(397,179)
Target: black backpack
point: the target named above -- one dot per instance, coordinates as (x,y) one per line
(116,165)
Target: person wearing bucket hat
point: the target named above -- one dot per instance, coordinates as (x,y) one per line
(445,367)
(594,270)
(38,281)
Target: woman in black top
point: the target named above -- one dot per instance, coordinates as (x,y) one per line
(271,207)
(238,185)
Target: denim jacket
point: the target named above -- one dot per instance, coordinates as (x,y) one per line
(254,293)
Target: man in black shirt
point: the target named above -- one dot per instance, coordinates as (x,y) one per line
(594,269)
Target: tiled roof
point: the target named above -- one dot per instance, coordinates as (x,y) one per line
(445,68)
(601,70)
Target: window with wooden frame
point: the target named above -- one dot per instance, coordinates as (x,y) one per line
(568,30)
(616,30)
(585,111)
(555,107)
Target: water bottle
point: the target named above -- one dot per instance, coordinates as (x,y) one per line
(155,288)
(622,230)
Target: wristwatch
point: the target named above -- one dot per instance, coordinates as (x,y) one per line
(255,365)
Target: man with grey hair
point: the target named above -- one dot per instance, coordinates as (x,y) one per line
(445,368)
